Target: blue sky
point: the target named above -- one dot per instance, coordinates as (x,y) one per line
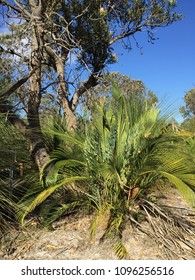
(167,67)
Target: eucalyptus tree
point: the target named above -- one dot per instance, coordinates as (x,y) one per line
(188,111)
(126,85)
(62,47)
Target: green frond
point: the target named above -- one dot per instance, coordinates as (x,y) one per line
(101,220)
(189,179)
(115,91)
(173,165)
(51,214)
(70,163)
(184,189)
(58,164)
(75,139)
(115,225)
(121,251)
(43,196)
(107,171)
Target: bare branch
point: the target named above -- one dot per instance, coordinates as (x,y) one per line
(91,82)
(12,51)
(126,34)
(16,85)
(49,85)
(23,11)
(19,9)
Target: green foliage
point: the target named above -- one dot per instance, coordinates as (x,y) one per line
(92,31)
(7,207)
(15,172)
(188,124)
(130,140)
(86,29)
(11,142)
(124,151)
(188,111)
(121,251)
(126,85)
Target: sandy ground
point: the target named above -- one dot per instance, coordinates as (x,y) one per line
(70,240)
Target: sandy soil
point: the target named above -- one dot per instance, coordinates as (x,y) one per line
(70,240)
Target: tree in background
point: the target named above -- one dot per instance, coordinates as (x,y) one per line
(62,48)
(126,85)
(188,111)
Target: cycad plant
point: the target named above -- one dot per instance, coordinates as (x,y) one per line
(124,150)
(13,158)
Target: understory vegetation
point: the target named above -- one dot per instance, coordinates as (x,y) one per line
(108,167)
(77,139)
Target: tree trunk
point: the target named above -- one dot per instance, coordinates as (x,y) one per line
(63,96)
(37,146)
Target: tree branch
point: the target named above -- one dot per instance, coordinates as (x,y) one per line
(12,51)
(125,34)
(17,8)
(13,117)
(91,82)
(15,86)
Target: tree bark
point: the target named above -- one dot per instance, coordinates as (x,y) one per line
(34,134)
(63,96)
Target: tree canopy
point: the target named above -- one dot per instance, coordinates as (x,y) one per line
(188,110)
(61,48)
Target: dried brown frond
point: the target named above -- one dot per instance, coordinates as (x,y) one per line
(174,233)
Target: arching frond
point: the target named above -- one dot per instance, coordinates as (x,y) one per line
(42,197)
(184,189)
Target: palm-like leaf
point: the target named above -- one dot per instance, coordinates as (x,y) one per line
(13,151)
(184,189)
(128,144)
(45,194)
(51,214)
